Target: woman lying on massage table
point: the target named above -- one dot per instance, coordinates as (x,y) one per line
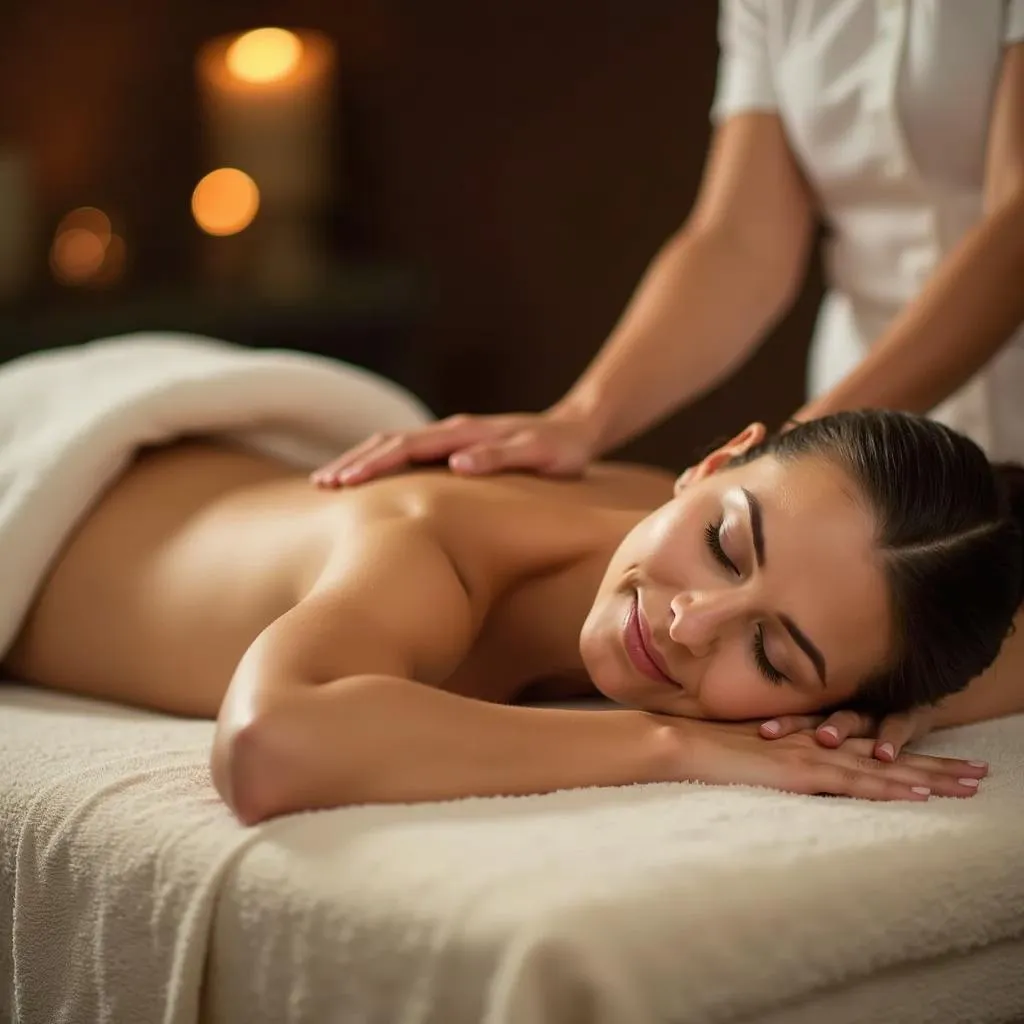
(366,645)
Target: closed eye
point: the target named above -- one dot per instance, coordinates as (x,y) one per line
(714,543)
(764,665)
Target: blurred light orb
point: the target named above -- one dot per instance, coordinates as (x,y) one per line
(114,260)
(225,201)
(264,55)
(87,218)
(76,256)
(85,251)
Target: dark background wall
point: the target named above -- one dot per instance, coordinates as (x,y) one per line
(526,158)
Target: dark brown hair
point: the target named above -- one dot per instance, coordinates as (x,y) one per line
(950,529)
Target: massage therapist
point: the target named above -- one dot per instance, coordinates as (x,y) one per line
(900,125)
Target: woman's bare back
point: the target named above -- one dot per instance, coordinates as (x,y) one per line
(181,563)
(199,547)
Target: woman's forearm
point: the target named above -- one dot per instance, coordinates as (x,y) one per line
(967,311)
(998,691)
(379,739)
(703,304)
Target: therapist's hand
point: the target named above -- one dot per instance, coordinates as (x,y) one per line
(890,735)
(543,443)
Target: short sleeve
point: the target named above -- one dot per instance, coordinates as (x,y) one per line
(1014,31)
(745,79)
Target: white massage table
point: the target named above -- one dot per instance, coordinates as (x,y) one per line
(129,894)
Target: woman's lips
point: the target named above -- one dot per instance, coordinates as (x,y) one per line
(636,639)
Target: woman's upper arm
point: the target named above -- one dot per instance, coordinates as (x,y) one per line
(390,604)
(1004,165)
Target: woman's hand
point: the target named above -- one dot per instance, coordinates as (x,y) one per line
(730,753)
(891,735)
(545,443)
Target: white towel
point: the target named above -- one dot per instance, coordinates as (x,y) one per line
(664,904)
(71,419)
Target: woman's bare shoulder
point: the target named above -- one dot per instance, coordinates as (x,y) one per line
(627,484)
(617,484)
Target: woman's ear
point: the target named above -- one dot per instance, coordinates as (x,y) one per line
(751,435)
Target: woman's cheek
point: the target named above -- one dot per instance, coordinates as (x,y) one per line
(663,540)
(739,695)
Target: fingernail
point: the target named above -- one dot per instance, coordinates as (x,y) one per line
(974,783)
(772,728)
(978,764)
(345,475)
(888,750)
(461,462)
(921,790)
(830,730)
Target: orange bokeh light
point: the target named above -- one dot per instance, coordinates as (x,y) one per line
(85,250)
(225,201)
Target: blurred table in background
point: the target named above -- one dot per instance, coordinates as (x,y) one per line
(363,313)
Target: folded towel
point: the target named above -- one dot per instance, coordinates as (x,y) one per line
(71,419)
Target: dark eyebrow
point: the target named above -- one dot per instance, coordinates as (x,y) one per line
(756,524)
(802,640)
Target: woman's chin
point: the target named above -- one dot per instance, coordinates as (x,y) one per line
(614,688)
(636,695)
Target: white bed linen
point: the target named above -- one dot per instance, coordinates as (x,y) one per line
(124,877)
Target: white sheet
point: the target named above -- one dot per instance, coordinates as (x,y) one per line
(669,903)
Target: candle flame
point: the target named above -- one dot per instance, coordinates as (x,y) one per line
(225,201)
(264,55)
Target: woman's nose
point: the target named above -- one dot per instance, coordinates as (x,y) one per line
(698,618)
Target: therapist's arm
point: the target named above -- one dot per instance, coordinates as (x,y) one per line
(974,301)
(711,293)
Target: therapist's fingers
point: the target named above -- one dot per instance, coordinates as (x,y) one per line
(385,452)
(786,725)
(381,454)
(525,449)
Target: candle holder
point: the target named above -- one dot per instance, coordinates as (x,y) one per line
(267,105)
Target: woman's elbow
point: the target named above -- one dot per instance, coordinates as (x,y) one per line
(249,772)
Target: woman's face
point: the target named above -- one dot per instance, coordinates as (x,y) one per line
(755,592)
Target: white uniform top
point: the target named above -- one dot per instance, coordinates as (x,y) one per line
(886,104)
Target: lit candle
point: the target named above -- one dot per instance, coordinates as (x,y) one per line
(267,102)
